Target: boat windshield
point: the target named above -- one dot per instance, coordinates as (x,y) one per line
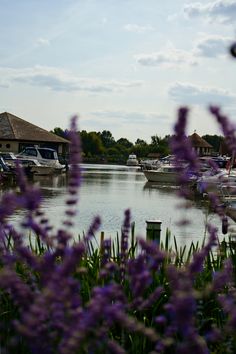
(29,152)
(48,154)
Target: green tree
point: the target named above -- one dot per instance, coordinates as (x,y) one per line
(214,140)
(163,147)
(123,150)
(155,140)
(91,143)
(153,147)
(112,151)
(140,142)
(141,148)
(124,142)
(60,132)
(107,138)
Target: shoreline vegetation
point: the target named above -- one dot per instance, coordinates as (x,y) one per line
(59,294)
(101,147)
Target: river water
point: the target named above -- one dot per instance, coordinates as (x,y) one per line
(108,190)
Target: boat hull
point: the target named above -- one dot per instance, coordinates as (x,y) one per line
(159,176)
(132,163)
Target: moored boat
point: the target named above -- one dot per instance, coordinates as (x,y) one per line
(164,173)
(132,160)
(150,164)
(214,181)
(41,160)
(33,167)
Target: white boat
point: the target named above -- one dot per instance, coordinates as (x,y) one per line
(154,164)
(150,164)
(8,157)
(215,181)
(41,160)
(164,173)
(132,160)
(33,167)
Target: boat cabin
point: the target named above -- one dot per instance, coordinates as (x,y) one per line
(39,153)
(45,156)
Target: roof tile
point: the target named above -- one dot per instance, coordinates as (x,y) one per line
(197,141)
(15,128)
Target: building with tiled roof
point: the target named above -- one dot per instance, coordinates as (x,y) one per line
(201,146)
(17,133)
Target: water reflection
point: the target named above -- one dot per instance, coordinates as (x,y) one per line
(111,168)
(155,187)
(108,190)
(58,181)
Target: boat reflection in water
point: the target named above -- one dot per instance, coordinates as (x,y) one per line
(56,181)
(167,188)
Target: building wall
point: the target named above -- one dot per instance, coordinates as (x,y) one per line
(16,147)
(203,151)
(9,146)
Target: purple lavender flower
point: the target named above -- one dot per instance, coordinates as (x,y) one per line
(9,203)
(197,263)
(114,347)
(185,157)
(227,127)
(105,252)
(74,172)
(181,311)
(19,291)
(223,277)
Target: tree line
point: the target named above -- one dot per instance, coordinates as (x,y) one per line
(102,146)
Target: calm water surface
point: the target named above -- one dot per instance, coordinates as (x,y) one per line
(108,190)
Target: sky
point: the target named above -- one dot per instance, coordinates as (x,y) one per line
(120,65)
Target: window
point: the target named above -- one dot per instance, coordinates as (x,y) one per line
(30,152)
(47,154)
(8,146)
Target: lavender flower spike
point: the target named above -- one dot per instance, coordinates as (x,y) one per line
(185,156)
(74,172)
(124,243)
(227,127)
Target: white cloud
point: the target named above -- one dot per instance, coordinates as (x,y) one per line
(104,20)
(131,116)
(60,80)
(137,28)
(221,10)
(42,42)
(212,46)
(169,56)
(185,93)
(3,84)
